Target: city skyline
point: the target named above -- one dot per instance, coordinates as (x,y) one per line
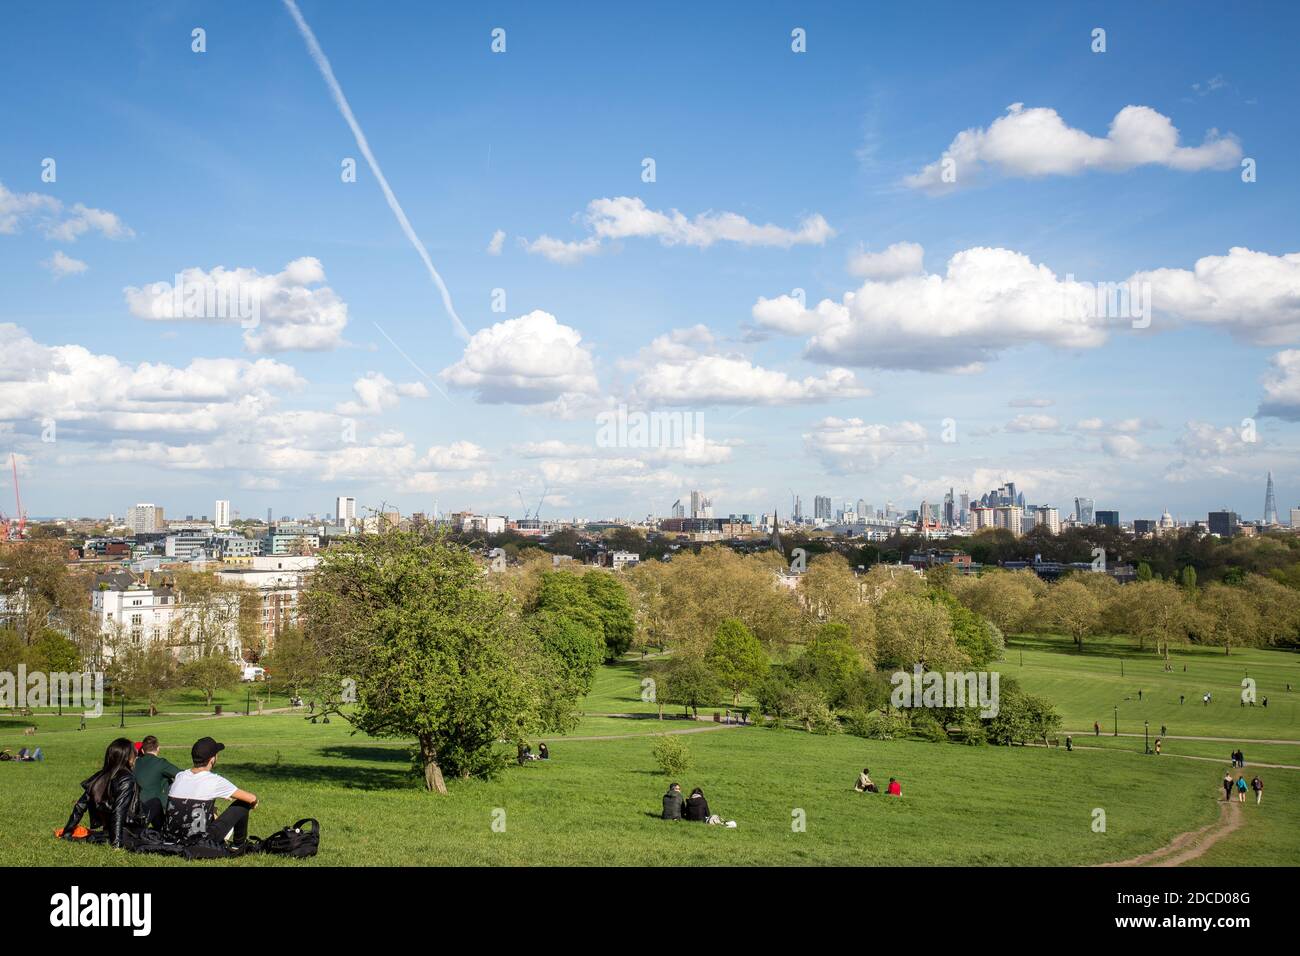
(792,269)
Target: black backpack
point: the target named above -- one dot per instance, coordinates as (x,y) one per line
(296,841)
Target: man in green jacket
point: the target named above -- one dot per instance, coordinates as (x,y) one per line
(154,776)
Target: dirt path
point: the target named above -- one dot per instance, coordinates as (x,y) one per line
(1192,844)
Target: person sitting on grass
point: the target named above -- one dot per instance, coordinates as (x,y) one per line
(112,799)
(864,784)
(696,808)
(895,788)
(542,752)
(154,775)
(193,794)
(673,802)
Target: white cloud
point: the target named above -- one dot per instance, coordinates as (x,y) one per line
(60,264)
(900,259)
(1036,142)
(527,361)
(458,456)
(1091,424)
(1254,295)
(1122,446)
(851,445)
(1030,403)
(71,384)
(684,367)
(1282,386)
(1032,423)
(375,394)
(628,217)
(497,241)
(552,448)
(988,300)
(54,221)
(279,311)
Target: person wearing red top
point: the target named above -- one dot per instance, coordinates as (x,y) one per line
(895,788)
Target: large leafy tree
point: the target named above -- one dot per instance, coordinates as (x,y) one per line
(617,622)
(1070,608)
(1227,618)
(432,652)
(737,658)
(295,661)
(689,681)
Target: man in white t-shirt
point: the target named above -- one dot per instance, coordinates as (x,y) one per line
(193,793)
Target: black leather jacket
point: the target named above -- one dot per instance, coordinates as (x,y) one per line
(119,814)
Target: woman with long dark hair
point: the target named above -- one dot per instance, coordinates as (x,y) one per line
(111,797)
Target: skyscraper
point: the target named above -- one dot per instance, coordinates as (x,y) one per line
(822,508)
(1270,503)
(345,511)
(1083,510)
(221,515)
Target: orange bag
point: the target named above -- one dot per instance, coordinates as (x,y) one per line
(78,833)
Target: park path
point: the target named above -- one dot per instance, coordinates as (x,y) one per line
(1188,846)
(1253,763)
(1220,740)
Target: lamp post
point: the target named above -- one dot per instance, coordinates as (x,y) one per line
(1117,721)
(1147,724)
(248,704)
(122,700)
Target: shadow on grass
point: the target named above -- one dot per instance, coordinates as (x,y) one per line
(346,777)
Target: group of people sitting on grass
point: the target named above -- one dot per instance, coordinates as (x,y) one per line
(526,753)
(694,807)
(866,785)
(1240,786)
(25,755)
(137,790)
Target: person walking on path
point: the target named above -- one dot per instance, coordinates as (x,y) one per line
(1241,788)
(1157,746)
(1227,786)
(1258,786)
(1096,729)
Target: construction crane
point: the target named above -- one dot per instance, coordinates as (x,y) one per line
(537,512)
(522,504)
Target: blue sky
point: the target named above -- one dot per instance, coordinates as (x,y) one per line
(231,158)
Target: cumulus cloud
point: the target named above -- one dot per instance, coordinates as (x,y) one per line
(846,445)
(56,221)
(1032,423)
(1036,142)
(531,360)
(1122,446)
(1254,295)
(375,394)
(628,217)
(900,259)
(986,301)
(287,310)
(60,264)
(495,244)
(1282,387)
(685,367)
(458,456)
(1030,403)
(71,384)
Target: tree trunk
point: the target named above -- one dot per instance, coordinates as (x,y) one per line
(432,772)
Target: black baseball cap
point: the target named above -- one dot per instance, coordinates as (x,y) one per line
(204,749)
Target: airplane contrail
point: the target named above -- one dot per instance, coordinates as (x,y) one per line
(323,64)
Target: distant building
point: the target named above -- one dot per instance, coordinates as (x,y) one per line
(1108,519)
(345,511)
(145,519)
(1144,526)
(1224,523)
(221,515)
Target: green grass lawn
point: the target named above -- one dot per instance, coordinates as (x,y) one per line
(597,801)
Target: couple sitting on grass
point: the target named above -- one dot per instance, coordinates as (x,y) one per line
(866,785)
(134,792)
(677,807)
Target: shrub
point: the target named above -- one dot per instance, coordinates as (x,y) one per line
(877,724)
(672,755)
(927,727)
(971,729)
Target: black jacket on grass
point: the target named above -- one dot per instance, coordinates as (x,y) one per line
(118,814)
(697,808)
(673,804)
